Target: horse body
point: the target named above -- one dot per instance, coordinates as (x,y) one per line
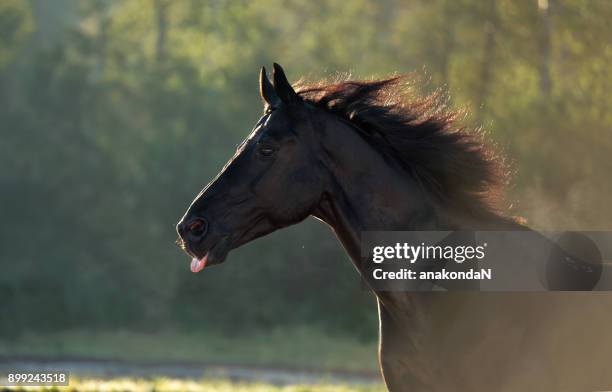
(470,341)
(331,151)
(460,340)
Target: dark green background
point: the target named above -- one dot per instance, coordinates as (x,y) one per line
(114,115)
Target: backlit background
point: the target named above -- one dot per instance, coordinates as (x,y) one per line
(114,114)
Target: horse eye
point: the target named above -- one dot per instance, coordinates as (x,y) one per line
(266,151)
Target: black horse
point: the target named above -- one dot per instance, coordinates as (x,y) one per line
(363,156)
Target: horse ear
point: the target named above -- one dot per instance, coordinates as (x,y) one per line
(266,90)
(282,86)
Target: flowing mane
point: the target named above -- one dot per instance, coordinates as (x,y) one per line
(452,162)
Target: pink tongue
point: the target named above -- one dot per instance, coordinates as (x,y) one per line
(198,265)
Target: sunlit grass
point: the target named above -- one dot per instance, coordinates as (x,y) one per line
(175,385)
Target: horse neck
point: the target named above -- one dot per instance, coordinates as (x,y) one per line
(367,192)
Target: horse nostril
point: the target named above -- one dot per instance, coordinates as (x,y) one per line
(197,227)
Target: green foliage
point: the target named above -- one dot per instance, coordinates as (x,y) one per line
(115,114)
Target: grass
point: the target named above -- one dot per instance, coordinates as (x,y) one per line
(174,385)
(294,347)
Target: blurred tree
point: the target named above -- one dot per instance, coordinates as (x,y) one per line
(115,114)
(544,7)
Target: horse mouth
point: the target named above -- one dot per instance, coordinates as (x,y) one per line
(215,255)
